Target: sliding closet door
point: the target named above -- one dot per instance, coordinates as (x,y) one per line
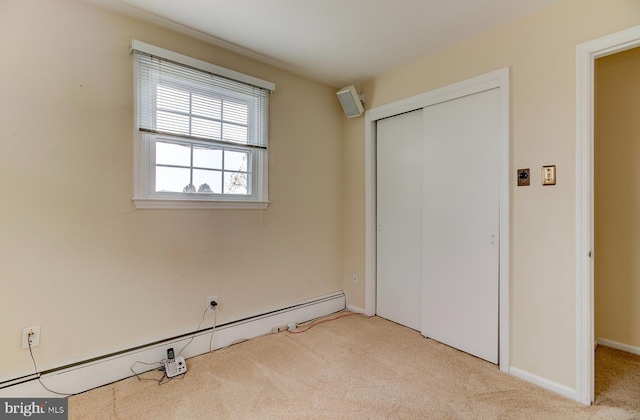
(460,223)
(399,218)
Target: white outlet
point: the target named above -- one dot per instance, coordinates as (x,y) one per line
(31,334)
(355,278)
(209,299)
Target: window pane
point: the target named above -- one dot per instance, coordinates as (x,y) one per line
(206,106)
(172,123)
(234,133)
(207,181)
(207,158)
(235,112)
(172,154)
(171,179)
(172,99)
(235,183)
(205,128)
(235,161)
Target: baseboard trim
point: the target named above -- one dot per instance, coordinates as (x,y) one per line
(93,374)
(355,309)
(618,346)
(544,383)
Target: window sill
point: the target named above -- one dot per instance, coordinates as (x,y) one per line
(155,203)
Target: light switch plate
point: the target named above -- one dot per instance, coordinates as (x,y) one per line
(549,175)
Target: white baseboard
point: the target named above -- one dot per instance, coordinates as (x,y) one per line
(618,346)
(355,309)
(544,383)
(93,374)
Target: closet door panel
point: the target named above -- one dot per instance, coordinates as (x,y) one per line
(461,223)
(399,218)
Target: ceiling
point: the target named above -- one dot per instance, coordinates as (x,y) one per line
(337,42)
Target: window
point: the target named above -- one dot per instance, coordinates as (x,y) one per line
(201,133)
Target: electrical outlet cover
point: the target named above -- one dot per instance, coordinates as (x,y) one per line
(209,299)
(35,338)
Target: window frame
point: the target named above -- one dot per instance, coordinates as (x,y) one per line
(145,196)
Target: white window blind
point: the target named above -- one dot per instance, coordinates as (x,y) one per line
(202,133)
(176,99)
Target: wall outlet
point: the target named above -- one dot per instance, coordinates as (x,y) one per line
(355,278)
(209,300)
(31,334)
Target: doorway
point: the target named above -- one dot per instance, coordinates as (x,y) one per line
(616,221)
(586,54)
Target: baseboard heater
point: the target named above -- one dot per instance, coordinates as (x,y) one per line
(99,371)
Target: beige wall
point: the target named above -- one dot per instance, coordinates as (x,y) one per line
(353,198)
(540,49)
(76,257)
(617,198)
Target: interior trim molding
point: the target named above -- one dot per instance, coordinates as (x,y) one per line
(544,383)
(83,376)
(495,79)
(355,309)
(618,346)
(586,54)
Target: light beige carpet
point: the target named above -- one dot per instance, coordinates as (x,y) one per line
(617,379)
(350,368)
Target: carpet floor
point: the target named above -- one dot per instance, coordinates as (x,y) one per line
(355,368)
(618,380)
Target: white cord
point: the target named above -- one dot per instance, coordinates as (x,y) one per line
(213,330)
(197,329)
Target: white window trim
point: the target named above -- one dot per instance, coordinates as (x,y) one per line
(143,197)
(201,65)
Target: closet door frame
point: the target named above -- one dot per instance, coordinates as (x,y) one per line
(495,79)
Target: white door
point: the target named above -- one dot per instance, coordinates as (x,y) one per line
(461,223)
(399,218)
